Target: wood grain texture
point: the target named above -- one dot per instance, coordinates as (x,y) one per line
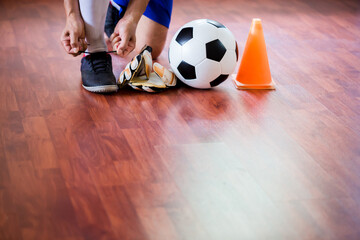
(185,163)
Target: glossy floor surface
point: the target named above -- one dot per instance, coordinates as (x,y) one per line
(185,163)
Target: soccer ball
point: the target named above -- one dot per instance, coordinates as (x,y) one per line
(203,53)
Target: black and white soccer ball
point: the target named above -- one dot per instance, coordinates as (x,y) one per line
(203,53)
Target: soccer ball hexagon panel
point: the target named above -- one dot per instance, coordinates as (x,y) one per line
(202,53)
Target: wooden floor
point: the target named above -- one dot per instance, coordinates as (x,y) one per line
(184,164)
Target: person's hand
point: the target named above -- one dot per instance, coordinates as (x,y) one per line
(123,39)
(73,35)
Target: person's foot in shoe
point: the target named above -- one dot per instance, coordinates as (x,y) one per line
(96,73)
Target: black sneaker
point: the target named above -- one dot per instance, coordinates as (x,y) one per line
(97,74)
(112,18)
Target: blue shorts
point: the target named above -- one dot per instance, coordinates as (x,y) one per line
(157,10)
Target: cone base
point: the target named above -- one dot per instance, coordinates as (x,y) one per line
(240,85)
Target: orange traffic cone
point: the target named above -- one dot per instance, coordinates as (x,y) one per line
(254,70)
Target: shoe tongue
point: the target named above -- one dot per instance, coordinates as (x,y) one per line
(99,61)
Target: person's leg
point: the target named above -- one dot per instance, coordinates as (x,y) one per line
(153,25)
(93,13)
(150,33)
(96,67)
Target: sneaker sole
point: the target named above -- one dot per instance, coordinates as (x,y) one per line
(102,89)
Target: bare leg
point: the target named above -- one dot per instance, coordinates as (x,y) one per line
(152,34)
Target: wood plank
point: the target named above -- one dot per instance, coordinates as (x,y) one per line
(185,163)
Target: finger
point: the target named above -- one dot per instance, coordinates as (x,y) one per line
(65,42)
(68,49)
(115,47)
(115,40)
(126,51)
(74,43)
(74,53)
(66,45)
(115,34)
(83,44)
(129,48)
(64,35)
(119,51)
(124,43)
